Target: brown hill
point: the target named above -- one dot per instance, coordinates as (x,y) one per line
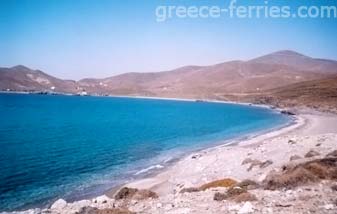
(21,78)
(235,77)
(270,71)
(317,94)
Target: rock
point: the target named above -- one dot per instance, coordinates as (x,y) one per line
(246,208)
(102,199)
(59,204)
(226,182)
(190,189)
(235,191)
(332,154)
(144,194)
(295,157)
(196,156)
(219,196)
(246,161)
(334,187)
(328,206)
(311,153)
(262,177)
(168,207)
(78,205)
(287,112)
(87,210)
(282,205)
(183,210)
(93,210)
(266,164)
(318,144)
(248,184)
(233,208)
(159,205)
(243,197)
(253,164)
(132,193)
(125,193)
(291,141)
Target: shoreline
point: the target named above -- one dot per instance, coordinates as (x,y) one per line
(145,97)
(294,123)
(157,181)
(151,182)
(205,165)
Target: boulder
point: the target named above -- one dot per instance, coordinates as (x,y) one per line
(136,194)
(332,154)
(295,157)
(125,193)
(311,153)
(246,208)
(60,204)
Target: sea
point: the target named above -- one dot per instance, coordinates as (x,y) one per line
(78,147)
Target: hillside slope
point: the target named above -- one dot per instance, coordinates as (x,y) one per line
(264,73)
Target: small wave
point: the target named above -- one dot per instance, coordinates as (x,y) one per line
(158,166)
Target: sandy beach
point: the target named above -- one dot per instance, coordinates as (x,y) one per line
(251,159)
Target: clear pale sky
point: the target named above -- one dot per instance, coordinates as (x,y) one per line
(100,38)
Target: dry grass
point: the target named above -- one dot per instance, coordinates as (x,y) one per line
(244,197)
(311,171)
(254,163)
(248,184)
(93,210)
(295,157)
(332,154)
(227,182)
(190,189)
(236,194)
(311,153)
(132,193)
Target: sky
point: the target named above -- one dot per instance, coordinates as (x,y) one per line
(100,38)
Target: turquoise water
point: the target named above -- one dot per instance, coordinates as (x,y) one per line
(78,147)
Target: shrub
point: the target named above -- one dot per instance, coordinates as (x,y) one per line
(243,197)
(311,153)
(247,184)
(227,182)
(311,171)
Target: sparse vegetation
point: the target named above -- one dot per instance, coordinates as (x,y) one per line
(93,210)
(311,153)
(248,184)
(311,171)
(295,157)
(227,182)
(132,193)
(236,194)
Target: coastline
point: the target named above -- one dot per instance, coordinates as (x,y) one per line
(143,97)
(160,170)
(165,182)
(153,182)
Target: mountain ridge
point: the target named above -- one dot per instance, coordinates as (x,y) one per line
(263,73)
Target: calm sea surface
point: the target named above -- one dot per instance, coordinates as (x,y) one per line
(78,147)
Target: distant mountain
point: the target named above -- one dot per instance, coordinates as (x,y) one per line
(318,94)
(298,61)
(21,78)
(271,71)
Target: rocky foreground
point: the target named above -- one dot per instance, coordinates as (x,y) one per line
(289,171)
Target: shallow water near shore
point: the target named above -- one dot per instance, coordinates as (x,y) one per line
(78,147)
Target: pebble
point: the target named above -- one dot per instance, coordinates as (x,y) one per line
(59,204)
(246,208)
(328,206)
